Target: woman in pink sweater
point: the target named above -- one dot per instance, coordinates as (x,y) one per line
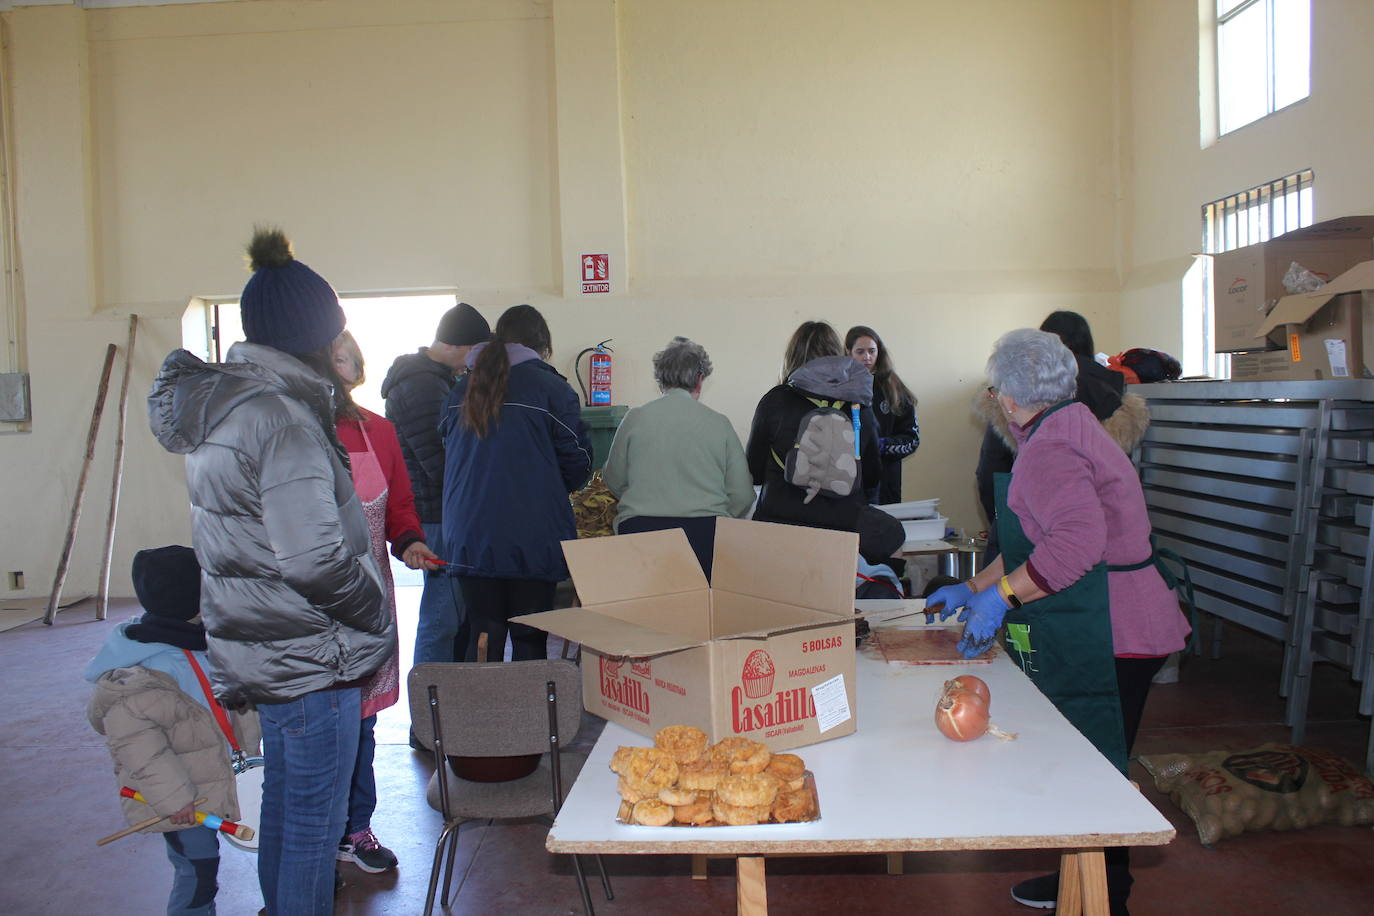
(1088,616)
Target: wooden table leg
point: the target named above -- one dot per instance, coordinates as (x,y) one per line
(1070,902)
(1092,871)
(1082,884)
(698,868)
(753,892)
(894,863)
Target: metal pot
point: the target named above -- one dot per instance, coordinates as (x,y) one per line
(965,560)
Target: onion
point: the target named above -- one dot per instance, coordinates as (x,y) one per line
(962,715)
(975,684)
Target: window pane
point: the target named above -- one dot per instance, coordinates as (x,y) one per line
(1242,73)
(1197,346)
(1292,51)
(1225,6)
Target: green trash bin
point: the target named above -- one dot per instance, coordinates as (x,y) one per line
(602,422)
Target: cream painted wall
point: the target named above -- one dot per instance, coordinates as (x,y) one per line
(1174,175)
(941,171)
(402,145)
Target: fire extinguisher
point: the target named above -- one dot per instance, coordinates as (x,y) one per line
(599,372)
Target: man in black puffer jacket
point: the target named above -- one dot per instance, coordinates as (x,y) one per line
(415,388)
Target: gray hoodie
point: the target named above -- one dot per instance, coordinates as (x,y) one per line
(290,595)
(841,378)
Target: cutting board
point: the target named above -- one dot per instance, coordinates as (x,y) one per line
(926,646)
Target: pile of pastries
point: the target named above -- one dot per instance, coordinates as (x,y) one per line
(685,780)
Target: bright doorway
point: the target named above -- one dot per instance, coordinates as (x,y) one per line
(384,326)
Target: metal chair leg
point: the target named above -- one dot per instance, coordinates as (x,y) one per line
(605,881)
(448,869)
(582,886)
(444,836)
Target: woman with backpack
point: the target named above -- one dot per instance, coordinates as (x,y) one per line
(899,435)
(515,446)
(821,384)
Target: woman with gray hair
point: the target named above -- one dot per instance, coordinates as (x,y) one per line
(676,463)
(1088,616)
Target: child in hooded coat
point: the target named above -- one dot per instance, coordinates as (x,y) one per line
(162,736)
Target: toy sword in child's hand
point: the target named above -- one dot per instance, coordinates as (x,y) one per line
(141,825)
(214,822)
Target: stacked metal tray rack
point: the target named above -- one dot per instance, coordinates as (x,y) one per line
(1266,489)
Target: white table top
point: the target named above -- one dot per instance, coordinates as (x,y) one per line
(897,784)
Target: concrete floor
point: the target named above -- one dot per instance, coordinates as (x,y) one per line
(58,794)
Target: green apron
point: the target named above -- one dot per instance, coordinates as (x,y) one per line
(1063,642)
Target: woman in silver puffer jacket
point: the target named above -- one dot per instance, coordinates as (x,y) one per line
(291,597)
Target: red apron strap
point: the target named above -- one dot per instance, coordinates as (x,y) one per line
(215,708)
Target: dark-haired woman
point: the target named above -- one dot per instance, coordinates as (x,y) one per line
(899,435)
(515,446)
(383,485)
(818,373)
(1101,390)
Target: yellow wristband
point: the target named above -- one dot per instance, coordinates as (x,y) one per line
(1004,588)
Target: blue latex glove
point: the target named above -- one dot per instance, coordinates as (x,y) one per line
(982,618)
(949,599)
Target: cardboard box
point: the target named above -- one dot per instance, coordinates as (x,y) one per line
(1248,281)
(740,656)
(1320,335)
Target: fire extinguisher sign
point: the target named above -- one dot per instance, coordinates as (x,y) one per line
(596,273)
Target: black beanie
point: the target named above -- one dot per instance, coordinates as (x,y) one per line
(285,304)
(167,581)
(463,326)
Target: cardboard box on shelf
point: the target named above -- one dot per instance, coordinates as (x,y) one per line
(1246,282)
(766,650)
(1321,334)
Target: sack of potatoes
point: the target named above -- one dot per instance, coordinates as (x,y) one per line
(1270,787)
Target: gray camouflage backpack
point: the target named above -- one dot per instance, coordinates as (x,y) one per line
(824,459)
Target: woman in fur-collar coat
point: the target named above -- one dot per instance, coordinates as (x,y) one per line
(1124,416)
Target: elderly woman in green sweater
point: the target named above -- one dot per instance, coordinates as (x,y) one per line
(676,463)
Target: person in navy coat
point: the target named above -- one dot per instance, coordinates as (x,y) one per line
(515,446)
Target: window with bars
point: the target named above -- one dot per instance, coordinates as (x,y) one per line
(1258,214)
(1264,51)
(1246,218)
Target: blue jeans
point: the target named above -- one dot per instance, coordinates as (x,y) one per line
(442,634)
(362,794)
(194,853)
(311,746)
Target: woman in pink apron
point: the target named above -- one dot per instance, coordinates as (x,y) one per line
(379,475)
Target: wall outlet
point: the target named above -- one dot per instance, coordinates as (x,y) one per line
(16,580)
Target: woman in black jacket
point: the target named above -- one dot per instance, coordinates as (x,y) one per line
(817,371)
(1101,390)
(899,435)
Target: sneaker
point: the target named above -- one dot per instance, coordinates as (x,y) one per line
(363,850)
(1041,893)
